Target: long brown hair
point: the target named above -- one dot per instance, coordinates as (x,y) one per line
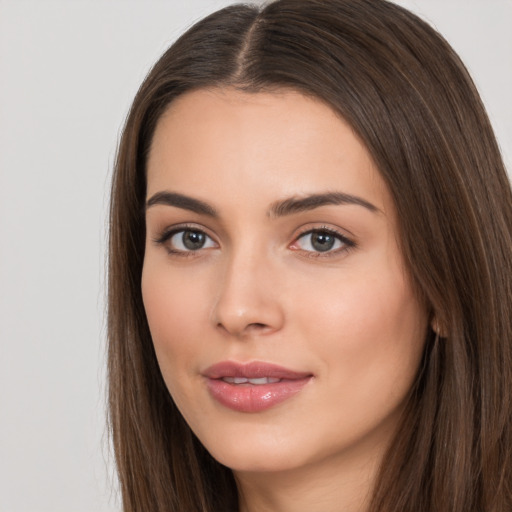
(410,99)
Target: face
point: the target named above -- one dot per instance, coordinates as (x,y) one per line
(284,323)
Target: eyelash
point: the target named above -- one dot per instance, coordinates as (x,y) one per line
(347,243)
(169,233)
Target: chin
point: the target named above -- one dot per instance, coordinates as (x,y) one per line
(256,461)
(254,453)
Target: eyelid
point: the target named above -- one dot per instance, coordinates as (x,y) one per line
(167,233)
(168,230)
(348,243)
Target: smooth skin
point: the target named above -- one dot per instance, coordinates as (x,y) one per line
(318,288)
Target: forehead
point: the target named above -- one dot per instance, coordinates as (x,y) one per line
(273,144)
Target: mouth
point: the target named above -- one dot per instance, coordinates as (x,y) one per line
(254,382)
(253,387)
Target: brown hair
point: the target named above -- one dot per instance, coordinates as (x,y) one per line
(410,99)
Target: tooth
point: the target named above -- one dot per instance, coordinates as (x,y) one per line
(235,380)
(261,380)
(264,380)
(255,382)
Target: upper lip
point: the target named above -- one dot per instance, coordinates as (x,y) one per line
(252,370)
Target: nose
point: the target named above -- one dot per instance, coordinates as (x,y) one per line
(248,301)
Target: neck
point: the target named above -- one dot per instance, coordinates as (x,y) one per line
(329,486)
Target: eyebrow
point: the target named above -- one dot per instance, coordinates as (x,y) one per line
(278,209)
(310,202)
(182,201)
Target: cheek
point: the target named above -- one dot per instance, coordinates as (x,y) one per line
(173,311)
(369,328)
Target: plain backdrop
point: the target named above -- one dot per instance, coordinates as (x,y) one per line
(68,71)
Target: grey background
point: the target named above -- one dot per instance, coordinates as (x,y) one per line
(68,71)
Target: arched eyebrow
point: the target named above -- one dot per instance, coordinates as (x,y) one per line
(279,208)
(312,201)
(182,201)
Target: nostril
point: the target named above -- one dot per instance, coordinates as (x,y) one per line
(257,325)
(247,329)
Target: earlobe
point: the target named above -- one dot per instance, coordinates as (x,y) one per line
(436,326)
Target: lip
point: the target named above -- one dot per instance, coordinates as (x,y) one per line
(248,397)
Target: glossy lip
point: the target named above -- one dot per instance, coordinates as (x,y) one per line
(248,397)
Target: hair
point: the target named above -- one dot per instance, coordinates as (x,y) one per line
(409,98)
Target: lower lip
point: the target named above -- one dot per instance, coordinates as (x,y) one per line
(254,398)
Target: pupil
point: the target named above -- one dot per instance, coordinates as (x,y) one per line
(322,241)
(193,240)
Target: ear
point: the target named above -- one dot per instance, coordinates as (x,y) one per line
(436,326)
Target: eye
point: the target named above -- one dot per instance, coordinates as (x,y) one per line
(322,241)
(186,240)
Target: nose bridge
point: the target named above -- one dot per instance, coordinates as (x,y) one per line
(247,299)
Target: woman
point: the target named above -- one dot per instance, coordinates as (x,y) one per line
(310,277)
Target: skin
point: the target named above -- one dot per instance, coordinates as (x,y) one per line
(259,290)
